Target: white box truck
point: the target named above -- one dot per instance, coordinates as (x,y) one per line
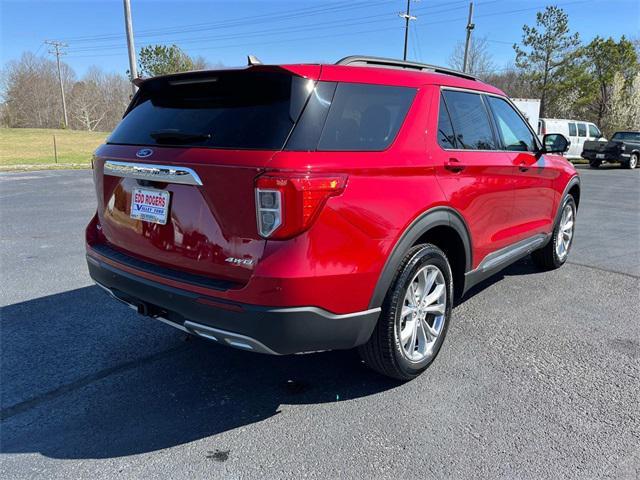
(530,108)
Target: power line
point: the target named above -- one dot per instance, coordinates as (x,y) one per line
(271,31)
(287,40)
(252,19)
(428,11)
(416,45)
(316,26)
(246,22)
(57,51)
(496,14)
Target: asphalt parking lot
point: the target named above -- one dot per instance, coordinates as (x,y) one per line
(539,376)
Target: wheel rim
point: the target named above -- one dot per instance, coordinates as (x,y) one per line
(565,232)
(633,162)
(423,313)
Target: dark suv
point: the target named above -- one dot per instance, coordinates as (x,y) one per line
(297,208)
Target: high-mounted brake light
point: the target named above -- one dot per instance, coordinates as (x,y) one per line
(287,204)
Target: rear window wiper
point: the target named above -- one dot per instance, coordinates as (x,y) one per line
(177,136)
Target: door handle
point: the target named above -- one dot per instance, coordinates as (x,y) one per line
(523,167)
(454,165)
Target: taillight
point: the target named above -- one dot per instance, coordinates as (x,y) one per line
(287,204)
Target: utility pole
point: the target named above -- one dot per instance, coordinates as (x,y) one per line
(470,26)
(133,69)
(407,17)
(56,46)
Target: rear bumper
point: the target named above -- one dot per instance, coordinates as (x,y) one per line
(605,156)
(250,327)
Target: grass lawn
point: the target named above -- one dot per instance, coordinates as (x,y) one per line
(31,148)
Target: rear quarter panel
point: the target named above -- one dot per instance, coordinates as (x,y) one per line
(340,258)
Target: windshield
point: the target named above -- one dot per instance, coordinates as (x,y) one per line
(630,136)
(234,110)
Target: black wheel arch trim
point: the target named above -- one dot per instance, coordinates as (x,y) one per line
(435,217)
(575,180)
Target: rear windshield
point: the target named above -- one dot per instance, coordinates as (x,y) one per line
(629,136)
(234,110)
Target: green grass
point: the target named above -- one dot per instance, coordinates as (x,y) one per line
(32,148)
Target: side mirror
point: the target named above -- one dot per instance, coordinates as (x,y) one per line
(555,143)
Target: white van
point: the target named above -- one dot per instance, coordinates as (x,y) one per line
(576,131)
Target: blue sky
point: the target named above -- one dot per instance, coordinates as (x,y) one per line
(281,31)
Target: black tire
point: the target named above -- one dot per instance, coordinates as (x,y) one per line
(631,163)
(384,352)
(594,163)
(547,257)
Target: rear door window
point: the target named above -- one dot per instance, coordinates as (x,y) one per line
(582,130)
(470,120)
(514,132)
(572,130)
(365,117)
(446,137)
(235,110)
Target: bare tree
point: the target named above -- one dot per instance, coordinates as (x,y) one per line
(31,94)
(116,94)
(98,100)
(512,81)
(480,61)
(86,106)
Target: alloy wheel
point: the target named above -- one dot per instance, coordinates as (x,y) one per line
(423,313)
(565,232)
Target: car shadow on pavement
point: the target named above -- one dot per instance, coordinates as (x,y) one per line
(85,377)
(525,266)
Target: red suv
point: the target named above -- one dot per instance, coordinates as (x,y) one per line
(298,208)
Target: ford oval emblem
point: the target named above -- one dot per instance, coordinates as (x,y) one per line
(144,153)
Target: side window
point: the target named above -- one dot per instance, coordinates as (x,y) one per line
(572,130)
(365,117)
(593,131)
(513,130)
(582,130)
(446,138)
(470,120)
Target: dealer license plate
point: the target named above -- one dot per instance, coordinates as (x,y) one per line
(599,155)
(150,205)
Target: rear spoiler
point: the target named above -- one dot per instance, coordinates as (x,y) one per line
(303,70)
(311,71)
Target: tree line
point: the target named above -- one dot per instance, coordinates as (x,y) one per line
(598,81)
(95,102)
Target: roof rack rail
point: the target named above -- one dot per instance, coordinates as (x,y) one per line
(401,64)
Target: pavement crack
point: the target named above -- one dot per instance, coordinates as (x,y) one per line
(630,275)
(21,407)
